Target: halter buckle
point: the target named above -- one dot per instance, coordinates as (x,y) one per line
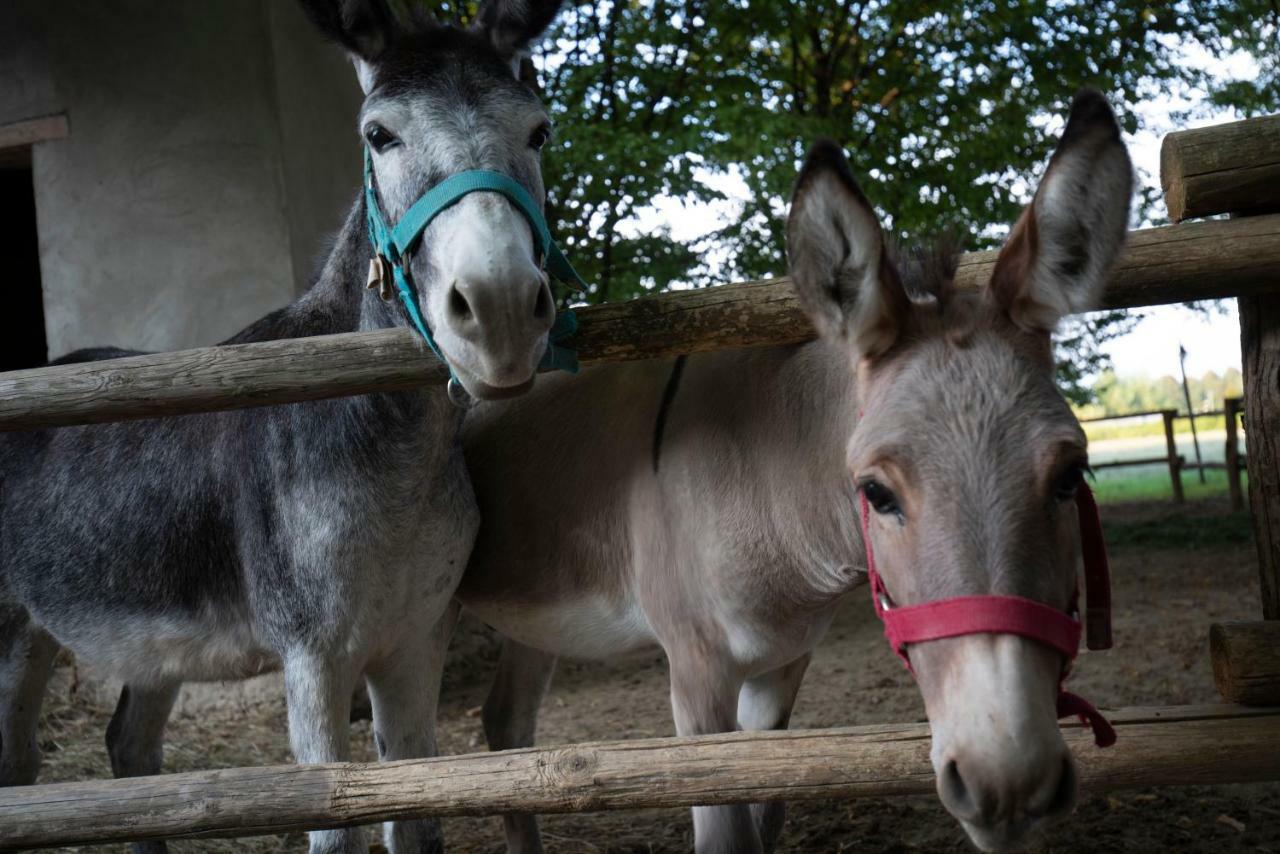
(458,395)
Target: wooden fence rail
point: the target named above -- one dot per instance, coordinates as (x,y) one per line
(1168,746)
(1226,168)
(1234,169)
(1172,264)
(1231,464)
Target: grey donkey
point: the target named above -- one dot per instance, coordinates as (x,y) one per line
(714,511)
(323,538)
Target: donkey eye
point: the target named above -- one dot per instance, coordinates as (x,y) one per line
(880,498)
(539,137)
(379,138)
(1064,488)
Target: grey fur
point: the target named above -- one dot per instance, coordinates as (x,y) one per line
(322,538)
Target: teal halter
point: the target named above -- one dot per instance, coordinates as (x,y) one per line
(395,245)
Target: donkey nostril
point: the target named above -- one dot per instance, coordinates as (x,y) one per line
(543,310)
(1064,793)
(955,795)
(459,308)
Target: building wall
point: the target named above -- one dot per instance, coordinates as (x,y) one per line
(202,170)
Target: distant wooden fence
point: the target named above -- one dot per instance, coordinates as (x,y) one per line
(1232,462)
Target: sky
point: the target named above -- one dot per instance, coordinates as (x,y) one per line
(1212,338)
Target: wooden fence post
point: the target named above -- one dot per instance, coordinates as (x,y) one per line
(1231,411)
(1175,461)
(1260,351)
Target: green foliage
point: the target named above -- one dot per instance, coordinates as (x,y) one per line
(948,111)
(1118,396)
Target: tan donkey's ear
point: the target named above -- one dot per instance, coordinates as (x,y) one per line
(836,255)
(1057,258)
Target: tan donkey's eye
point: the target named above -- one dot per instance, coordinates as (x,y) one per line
(880,498)
(1064,488)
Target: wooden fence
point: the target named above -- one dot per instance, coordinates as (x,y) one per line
(1177,263)
(1231,168)
(1232,461)
(1170,745)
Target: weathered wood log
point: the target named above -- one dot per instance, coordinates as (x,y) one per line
(1260,356)
(31,131)
(1163,746)
(1226,168)
(216,378)
(1246,661)
(1172,264)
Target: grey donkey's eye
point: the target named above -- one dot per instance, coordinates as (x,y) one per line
(880,498)
(539,137)
(379,138)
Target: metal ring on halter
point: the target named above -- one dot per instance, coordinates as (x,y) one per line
(458,395)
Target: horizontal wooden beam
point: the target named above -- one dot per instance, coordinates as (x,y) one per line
(1246,661)
(1137,461)
(1161,746)
(1227,168)
(30,131)
(1139,414)
(1203,260)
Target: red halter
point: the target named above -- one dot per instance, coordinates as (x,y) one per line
(968,615)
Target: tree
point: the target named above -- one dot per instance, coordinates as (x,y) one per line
(947,110)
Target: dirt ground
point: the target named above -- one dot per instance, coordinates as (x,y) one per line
(1174,573)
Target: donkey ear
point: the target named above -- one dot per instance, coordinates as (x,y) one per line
(1056,260)
(514,25)
(836,254)
(364,27)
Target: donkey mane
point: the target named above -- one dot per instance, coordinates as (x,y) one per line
(430,48)
(928,270)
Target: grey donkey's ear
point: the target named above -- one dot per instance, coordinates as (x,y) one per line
(364,27)
(836,255)
(514,25)
(1057,258)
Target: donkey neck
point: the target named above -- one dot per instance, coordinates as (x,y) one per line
(337,300)
(778,420)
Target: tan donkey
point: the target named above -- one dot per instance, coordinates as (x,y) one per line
(729,534)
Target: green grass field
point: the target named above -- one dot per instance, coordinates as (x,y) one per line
(1152,482)
(1187,528)
(1149,483)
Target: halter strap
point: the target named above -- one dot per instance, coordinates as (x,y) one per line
(396,245)
(451,190)
(968,615)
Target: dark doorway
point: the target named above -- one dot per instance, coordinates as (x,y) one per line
(22,341)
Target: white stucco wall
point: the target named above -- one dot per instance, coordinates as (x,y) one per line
(212,147)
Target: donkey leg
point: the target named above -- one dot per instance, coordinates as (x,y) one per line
(26,663)
(135,738)
(404,691)
(765,702)
(510,718)
(704,700)
(318,687)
